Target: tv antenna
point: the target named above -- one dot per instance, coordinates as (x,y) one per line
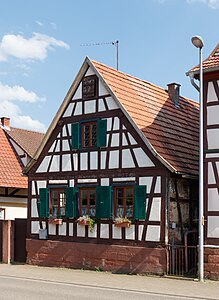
(115,43)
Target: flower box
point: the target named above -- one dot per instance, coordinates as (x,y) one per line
(55,221)
(84,222)
(122,224)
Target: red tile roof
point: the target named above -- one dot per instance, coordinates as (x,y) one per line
(211,62)
(172,131)
(10,166)
(28,140)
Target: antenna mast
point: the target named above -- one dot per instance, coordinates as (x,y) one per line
(116,44)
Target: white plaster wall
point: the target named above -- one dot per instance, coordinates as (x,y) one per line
(34,212)
(12,212)
(130,233)
(78,109)
(158,185)
(65,145)
(140,232)
(102,89)
(146,181)
(90,107)
(155,210)
(75,160)
(213,115)
(153,233)
(103,160)
(83,161)
(211,177)
(55,164)
(89,72)
(104,181)
(142,159)
(109,124)
(211,96)
(213,138)
(52,229)
(117,232)
(44,165)
(80,230)
(213,227)
(116,124)
(104,231)
(71,229)
(131,139)
(93,233)
(69,110)
(66,162)
(33,189)
(93,160)
(62,229)
(115,140)
(213,199)
(35,227)
(41,184)
(78,93)
(114,159)
(127,160)
(57,149)
(111,103)
(124,140)
(101,105)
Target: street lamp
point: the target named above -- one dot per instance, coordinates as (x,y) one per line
(197,41)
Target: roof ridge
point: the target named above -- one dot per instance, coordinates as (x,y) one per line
(27,130)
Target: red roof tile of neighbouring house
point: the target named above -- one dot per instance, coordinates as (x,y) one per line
(28,140)
(10,165)
(171,130)
(211,62)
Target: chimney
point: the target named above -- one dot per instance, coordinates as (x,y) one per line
(173,92)
(5,122)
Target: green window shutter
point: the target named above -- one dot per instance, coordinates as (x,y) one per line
(75,135)
(101,133)
(71,202)
(140,202)
(44,203)
(104,202)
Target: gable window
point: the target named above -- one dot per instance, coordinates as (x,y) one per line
(88,201)
(89,134)
(124,201)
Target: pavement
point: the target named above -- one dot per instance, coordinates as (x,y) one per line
(185,288)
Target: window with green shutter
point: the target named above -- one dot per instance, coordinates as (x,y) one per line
(101,132)
(75,135)
(71,202)
(104,202)
(43,202)
(140,202)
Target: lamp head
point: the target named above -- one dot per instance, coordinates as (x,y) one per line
(197,41)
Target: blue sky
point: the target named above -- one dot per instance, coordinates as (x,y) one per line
(41,47)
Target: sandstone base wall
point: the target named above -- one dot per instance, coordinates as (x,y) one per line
(211,263)
(114,258)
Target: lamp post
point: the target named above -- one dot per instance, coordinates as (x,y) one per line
(197,41)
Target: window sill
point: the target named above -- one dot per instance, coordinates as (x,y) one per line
(55,221)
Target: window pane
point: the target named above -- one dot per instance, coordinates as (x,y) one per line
(129,196)
(86,135)
(119,196)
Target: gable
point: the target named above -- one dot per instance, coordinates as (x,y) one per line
(124,147)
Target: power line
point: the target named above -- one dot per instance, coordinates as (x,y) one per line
(115,43)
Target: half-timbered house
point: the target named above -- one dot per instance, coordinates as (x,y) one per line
(17,148)
(211,160)
(118,148)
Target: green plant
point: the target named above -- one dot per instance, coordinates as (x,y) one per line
(122,220)
(86,220)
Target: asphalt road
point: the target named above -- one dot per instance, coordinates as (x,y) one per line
(31,283)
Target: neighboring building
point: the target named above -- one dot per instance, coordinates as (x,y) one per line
(118,146)
(211,161)
(17,148)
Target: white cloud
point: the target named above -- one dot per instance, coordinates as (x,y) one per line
(9,96)
(211,3)
(18,93)
(35,48)
(39,23)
